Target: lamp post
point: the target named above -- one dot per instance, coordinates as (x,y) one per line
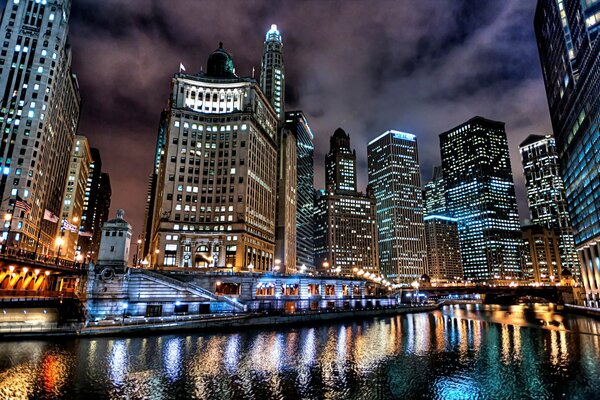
(156,252)
(59,243)
(277,266)
(250,267)
(137,252)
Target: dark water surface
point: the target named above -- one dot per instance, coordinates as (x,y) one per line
(459,352)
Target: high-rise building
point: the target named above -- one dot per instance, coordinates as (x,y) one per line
(345,219)
(546,194)
(151,215)
(395,178)
(73,198)
(272,74)
(39,114)
(435,194)
(305,224)
(96,204)
(216,181)
(272,83)
(443,249)
(480,194)
(340,163)
(569,49)
(541,255)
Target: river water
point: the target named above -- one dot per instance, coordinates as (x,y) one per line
(458,352)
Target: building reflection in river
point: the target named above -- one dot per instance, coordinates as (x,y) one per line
(457,352)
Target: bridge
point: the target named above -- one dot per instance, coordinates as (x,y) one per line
(506,294)
(28,276)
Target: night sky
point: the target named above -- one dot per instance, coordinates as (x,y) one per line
(366,66)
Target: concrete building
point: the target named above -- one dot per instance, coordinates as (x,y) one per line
(569,49)
(435,194)
(345,219)
(96,205)
(546,194)
(39,117)
(480,194)
(73,199)
(215,199)
(395,177)
(542,257)
(443,249)
(295,122)
(272,83)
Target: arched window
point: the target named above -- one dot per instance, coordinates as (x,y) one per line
(202,248)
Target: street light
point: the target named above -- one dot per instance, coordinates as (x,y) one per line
(277,265)
(250,267)
(156,252)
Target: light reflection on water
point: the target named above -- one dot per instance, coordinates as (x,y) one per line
(460,352)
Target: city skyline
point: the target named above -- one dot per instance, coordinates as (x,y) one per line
(318,83)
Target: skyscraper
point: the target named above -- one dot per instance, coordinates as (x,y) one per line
(272,74)
(435,193)
(39,114)
(272,83)
(74,196)
(542,261)
(546,195)
(305,225)
(395,178)
(480,194)
(569,48)
(345,219)
(443,249)
(216,181)
(96,205)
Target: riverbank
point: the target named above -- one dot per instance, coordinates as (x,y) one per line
(219,323)
(581,310)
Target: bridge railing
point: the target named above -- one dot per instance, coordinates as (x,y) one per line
(19,255)
(20,295)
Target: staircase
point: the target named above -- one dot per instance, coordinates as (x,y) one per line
(192,288)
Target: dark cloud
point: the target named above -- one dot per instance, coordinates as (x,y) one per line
(419,66)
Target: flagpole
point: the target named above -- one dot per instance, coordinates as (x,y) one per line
(37,242)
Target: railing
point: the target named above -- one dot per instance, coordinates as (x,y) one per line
(20,255)
(19,295)
(35,328)
(195,288)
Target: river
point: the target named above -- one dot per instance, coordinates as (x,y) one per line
(457,352)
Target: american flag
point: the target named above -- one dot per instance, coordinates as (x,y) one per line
(70,227)
(23,205)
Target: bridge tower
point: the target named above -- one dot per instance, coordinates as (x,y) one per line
(107,285)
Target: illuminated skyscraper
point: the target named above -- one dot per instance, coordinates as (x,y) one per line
(480,194)
(546,195)
(567,36)
(443,249)
(39,114)
(272,83)
(345,219)
(217,179)
(395,178)
(305,225)
(272,74)
(435,194)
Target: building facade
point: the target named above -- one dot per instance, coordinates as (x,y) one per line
(435,193)
(546,194)
(39,117)
(96,206)
(569,49)
(345,219)
(74,198)
(272,83)
(395,178)
(480,194)
(215,200)
(295,122)
(542,257)
(443,249)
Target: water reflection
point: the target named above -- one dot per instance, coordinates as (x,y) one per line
(476,352)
